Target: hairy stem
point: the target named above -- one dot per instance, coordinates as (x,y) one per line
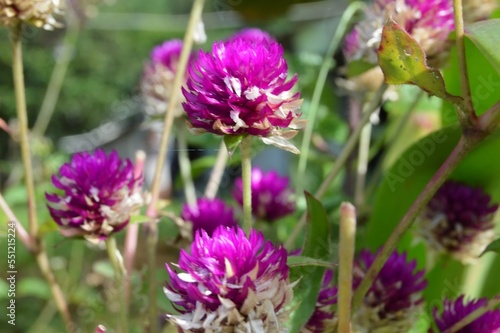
(346,258)
(246,174)
(349,147)
(362,167)
(185,166)
(217,172)
(463,147)
(320,84)
(120,273)
(22,234)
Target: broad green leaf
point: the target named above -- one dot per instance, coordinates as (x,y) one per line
(298,261)
(493,247)
(232,142)
(486,36)
(30,286)
(316,246)
(404,62)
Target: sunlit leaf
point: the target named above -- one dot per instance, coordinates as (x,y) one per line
(486,36)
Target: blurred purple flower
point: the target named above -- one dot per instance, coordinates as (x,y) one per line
(253,34)
(208,215)
(395,295)
(456,310)
(428,21)
(230,283)
(323,317)
(459,220)
(272,198)
(240,88)
(100,194)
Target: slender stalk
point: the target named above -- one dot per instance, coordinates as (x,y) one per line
(363,156)
(463,147)
(462,62)
(152,235)
(120,272)
(185,165)
(22,116)
(345,21)
(349,147)
(22,234)
(246,174)
(217,172)
(492,303)
(346,258)
(57,78)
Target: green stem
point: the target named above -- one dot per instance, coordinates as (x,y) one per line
(349,147)
(320,84)
(474,315)
(464,146)
(246,174)
(57,79)
(120,273)
(152,237)
(217,172)
(22,234)
(470,114)
(346,258)
(363,156)
(22,116)
(185,165)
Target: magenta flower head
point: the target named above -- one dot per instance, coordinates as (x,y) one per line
(158,78)
(322,318)
(272,198)
(99,195)
(231,283)
(458,220)
(208,215)
(253,34)
(456,310)
(428,21)
(395,297)
(241,88)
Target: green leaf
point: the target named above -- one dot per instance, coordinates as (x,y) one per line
(298,261)
(232,142)
(316,246)
(358,67)
(37,287)
(492,247)
(486,36)
(404,62)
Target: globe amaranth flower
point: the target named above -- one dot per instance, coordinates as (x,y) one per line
(158,79)
(99,195)
(394,299)
(456,310)
(272,197)
(36,12)
(458,220)
(322,318)
(208,214)
(241,88)
(253,34)
(231,283)
(428,21)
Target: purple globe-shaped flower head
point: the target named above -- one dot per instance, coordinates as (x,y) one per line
(99,194)
(428,21)
(241,88)
(272,197)
(208,215)
(454,311)
(322,319)
(158,79)
(253,34)
(394,299)
(231,283)
(458,220)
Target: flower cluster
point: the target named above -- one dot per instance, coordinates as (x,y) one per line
(158,78)
(241,88)
(208,214)
(456,310)
(272,198)
(429,22)
(37,12)
(100,194)
(395,295)
(458,221)
(231,283)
